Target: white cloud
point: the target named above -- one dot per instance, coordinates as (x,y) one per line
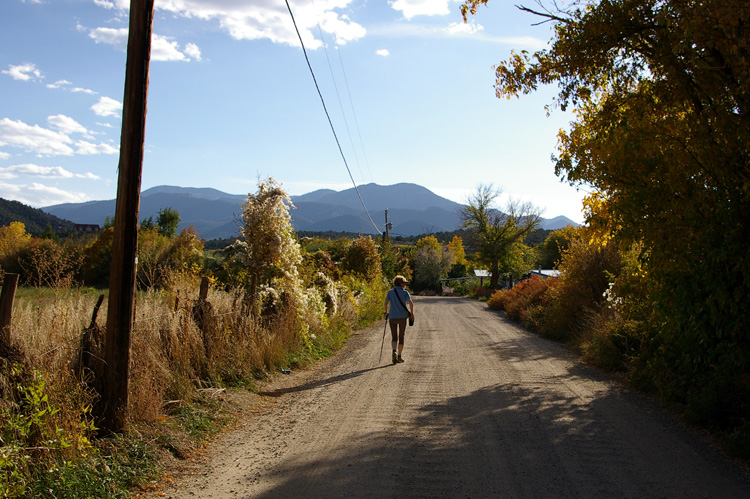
(24,72)
(39,195)
(4,155)
(111,36)
(263,19)
(162,48)
(476,32)
(45,142)
(193,51)
(83,90)
(31,170)
(88,148)
(413,8)
(105,3)
(34,139)
(66,124)
(88,175)
(464,28)
(107,106)
(383,52)
(59,84)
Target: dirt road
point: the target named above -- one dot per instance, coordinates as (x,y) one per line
(479,409)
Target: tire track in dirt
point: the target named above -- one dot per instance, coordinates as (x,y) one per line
(480,408)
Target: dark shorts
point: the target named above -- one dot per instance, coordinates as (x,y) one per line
(398,329)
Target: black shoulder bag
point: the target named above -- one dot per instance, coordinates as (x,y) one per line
(411,321)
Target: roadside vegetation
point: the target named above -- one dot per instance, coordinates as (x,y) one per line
(273,301)
(658,283)
(655,286)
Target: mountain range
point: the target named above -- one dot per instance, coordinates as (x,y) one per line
(412,209)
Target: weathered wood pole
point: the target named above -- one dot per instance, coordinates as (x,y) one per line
(10,283)
(114,402)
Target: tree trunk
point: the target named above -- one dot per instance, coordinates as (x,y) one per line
(495,275)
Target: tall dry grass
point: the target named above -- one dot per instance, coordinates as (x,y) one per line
(181,348)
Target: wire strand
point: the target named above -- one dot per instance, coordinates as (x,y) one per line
(322,101)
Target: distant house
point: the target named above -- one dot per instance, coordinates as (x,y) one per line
(545,273)
(86,228)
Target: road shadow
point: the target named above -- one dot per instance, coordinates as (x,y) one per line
(515,440)
(519,442)
(322,382)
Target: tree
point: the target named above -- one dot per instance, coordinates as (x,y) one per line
(13,239)
(456,246)
(662,135)
(268,247)
(428,263)
(362,258)
(493,232)
(552,249)
(152,248)
(168,221)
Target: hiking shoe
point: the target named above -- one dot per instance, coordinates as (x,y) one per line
(399,359)
(395,358)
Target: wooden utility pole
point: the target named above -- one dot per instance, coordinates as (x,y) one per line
(113,406)
(388,226)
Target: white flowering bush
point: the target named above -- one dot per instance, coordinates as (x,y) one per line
(268,248)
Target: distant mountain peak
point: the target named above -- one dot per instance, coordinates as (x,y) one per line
(412,208)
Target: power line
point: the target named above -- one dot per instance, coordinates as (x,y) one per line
(356,122)
(322,101)
(338,96)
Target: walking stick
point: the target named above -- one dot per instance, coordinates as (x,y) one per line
(383,342)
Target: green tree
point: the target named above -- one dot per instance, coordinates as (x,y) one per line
(552,249)
(168,221)
(428,264)
(362,259)
(494,232)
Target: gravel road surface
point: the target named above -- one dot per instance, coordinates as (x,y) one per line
(481,408)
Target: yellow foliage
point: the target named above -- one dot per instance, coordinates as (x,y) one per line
(602,225)
(429,242)
(13,238)
(456,246)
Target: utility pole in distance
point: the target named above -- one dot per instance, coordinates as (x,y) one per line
(113,406)
(388,227)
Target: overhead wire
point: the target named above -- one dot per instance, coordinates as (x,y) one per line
(356,122)
(338,96)
(322,101)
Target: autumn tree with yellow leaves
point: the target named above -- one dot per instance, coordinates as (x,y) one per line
(662,138)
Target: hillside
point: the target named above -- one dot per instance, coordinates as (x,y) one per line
(412,209)
(34,219)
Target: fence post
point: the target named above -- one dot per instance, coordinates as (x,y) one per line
(6,307)
(203,294)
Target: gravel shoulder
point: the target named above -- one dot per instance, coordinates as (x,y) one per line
(480,408)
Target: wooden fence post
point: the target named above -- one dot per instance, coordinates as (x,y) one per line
(6,308)
(204,317)
(203,294)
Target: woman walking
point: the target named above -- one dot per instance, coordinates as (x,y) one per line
(398,298)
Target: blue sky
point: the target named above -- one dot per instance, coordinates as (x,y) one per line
(408,85)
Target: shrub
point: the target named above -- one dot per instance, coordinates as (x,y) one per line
(523,296)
